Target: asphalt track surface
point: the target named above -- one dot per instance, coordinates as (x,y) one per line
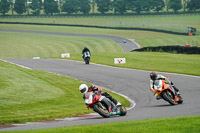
(129,82)
(126,44)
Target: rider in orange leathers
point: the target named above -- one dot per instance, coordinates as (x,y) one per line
(154,76)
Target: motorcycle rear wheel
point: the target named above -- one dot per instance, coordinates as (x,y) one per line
(102,111)
(168,97)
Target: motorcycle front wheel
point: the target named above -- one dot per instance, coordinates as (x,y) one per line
(167,96)
(123,111)
(180,100)
(101,109)
(87,60)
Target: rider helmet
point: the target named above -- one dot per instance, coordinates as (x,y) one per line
(83,88)
(153,75)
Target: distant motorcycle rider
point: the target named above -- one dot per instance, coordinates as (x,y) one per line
(85,49)
(97,90)
(154,76)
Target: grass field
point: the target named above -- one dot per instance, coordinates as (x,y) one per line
(165,62)
(103,51)
(144,38)
(16,81)
(162,125)
(21,45)
(176,23)
(30,95)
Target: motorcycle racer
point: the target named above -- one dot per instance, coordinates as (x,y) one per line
(154,76)
(85,49)
(97,90)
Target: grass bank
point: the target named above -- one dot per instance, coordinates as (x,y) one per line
(177,23)
(144,38)
(31,95)
(152,61)
(162,125)
(23,45)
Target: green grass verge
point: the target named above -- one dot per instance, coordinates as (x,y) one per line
(176,23)
(152,61)
(104,51)
(22,45)
(32,95)
(144,38)
(161,125)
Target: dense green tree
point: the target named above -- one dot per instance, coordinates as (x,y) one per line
(193,5)
(134,5)
(158,5)
(84,6)
(167,4)
(36,6)
(19,6)
(139,5)
(50,6)
(103,5)
(11,2)
(184,3)
(175,5)
(28,6)
(4,6)
(147,5)
(129,4)
(71,6)
(119,6)
(93,3)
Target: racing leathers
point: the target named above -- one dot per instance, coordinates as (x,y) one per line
(98,90)
(167,81)
(85,50)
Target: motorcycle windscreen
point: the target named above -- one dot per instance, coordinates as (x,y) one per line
(89,97)
(158,85)
(86,54)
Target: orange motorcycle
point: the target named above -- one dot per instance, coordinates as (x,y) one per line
(166,92)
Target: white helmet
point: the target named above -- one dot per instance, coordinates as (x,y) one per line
(83,88)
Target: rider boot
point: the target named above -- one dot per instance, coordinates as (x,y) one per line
(107,95)
(118,104)
(115,113)
(158,97)
(175,88)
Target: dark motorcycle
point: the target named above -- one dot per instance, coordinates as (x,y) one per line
(86,57)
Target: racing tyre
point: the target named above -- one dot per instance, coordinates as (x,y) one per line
(123,111)
(101,109)
(87,60)
(180,100)
(167,96)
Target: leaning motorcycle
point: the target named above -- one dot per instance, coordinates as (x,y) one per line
(86,57)
(167,92)
(103,106)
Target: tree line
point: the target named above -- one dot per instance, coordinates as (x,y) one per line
(35,7)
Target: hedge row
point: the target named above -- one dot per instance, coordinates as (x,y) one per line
(171,49)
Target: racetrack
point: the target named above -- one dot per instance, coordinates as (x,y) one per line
(126,44)
(129,82)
